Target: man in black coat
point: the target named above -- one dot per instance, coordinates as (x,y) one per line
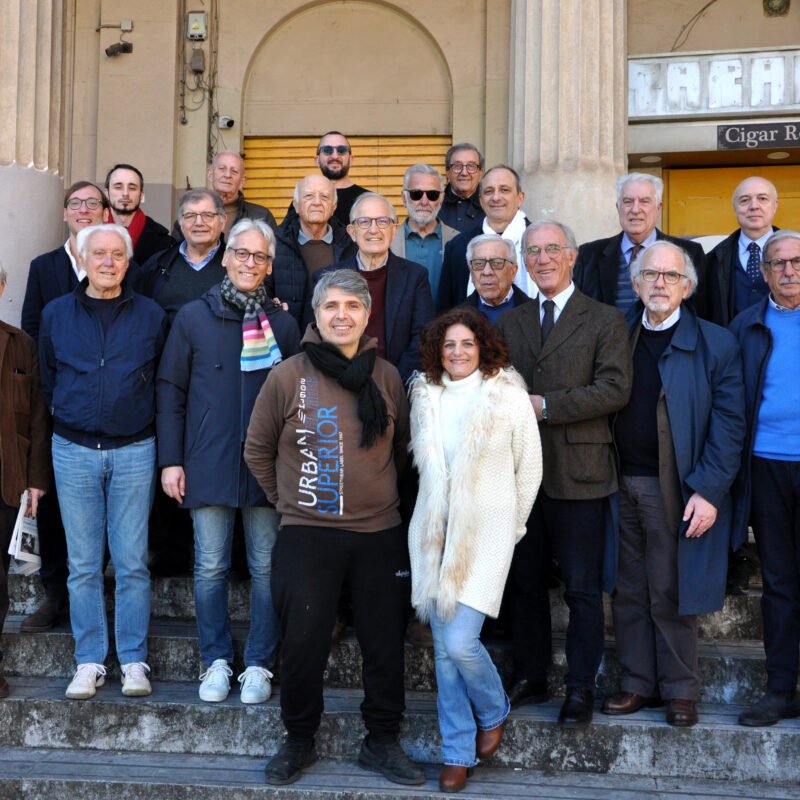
(125,192)
(309,240)
(602,267)
(461,208)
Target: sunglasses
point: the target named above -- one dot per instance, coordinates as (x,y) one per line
(329,149)
(431,194)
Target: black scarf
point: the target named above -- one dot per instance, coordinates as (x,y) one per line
(355,375)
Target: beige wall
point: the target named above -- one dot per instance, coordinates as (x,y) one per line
(655,25)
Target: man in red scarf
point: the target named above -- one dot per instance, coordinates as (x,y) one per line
(125,192)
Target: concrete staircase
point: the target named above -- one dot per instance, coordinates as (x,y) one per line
(171,745)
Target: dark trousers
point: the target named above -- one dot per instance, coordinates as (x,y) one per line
(309,566)
(52,546)
(8,516)
(656,646)
(574,531)
(775,516)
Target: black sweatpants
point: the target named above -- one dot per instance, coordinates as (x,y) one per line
(309,566)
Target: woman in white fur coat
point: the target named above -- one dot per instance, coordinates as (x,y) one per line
(476,445)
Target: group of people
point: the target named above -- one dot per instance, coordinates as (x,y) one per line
(579,404)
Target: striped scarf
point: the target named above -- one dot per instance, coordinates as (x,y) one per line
(259,348)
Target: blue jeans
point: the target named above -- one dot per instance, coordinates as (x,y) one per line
(99,491)
(471,694)
(213,537)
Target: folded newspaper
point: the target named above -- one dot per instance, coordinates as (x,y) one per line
(24,547)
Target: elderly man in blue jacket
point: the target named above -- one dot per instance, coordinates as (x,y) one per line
(679,441)
(768,485)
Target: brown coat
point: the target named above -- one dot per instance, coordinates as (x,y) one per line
(584,372)
(24,423)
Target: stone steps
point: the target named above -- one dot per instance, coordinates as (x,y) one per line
(731,672)
(33,774)
(172,598)
(174,720)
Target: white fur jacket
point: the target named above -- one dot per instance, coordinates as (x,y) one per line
(466,523)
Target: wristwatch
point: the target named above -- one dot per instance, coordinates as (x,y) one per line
(544,408)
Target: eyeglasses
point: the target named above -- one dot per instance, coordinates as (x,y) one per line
(92,203)
(552,250)
(652,275)
(259,258)
(479,264)
(431,194)
(469,168)
(779,264)
(207,216)
(365,223)
(329,149)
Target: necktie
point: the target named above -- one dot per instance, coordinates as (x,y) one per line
(548,321)
(754,263)
(635,250)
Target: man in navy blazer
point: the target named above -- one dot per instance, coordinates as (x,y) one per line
(52,275)
(602,266)
(401,293)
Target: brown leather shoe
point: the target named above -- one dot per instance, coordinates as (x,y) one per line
(682,713)
(629,703)
(453,779)
(4,690)
(487,742)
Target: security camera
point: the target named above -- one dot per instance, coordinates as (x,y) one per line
(119,47)
(225,122)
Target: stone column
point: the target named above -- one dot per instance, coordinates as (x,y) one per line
(31,191)
(567,110)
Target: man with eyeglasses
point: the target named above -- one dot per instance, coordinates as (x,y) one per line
(52,275)
(767,489)
(422,237)
(574,355)
(461,208)
(678,443)
(501,198)
(602,267)
(493,262)
(227,177)
(401,293)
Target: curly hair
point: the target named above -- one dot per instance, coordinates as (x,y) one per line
(493,350)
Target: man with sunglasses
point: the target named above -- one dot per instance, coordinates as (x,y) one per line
(461,209)
(678,444)
(334,159)
(52,275)
(422,237)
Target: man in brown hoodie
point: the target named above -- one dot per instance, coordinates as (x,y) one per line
(327,439)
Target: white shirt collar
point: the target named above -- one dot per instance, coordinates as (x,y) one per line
(671,320)
(80,273)
(504,300)
(560,300)
(778,306)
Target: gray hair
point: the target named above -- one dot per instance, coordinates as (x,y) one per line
(2,275)
(637,264)
(366,196)
(776,237)
(422,169)
(462,146)
(346,280)
(196,195)
(259,225)
(569,236)
(640,177)
(82,239)
(492,237)
(296,195)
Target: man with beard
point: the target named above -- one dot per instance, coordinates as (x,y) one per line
(227,178)
(422,237)
(125,192)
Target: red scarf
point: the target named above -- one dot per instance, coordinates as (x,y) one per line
(137,225)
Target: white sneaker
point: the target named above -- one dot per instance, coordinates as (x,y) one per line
(215,684)
(135,682)
(85,681)
(256,686)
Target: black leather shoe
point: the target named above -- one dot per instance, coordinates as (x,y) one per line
(524,691)
(287,765)
(389,759)
(577,709)
(771,708)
